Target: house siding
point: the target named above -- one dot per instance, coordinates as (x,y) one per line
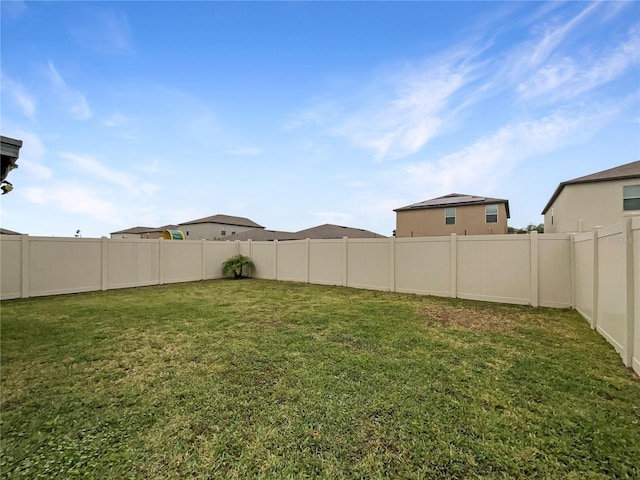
(470,220)
(582,207)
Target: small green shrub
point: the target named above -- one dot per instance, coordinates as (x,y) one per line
(238,266)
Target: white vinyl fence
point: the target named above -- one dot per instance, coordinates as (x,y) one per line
(607,285)
(595,272)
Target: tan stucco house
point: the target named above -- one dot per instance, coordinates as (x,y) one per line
(217,227)
(595,200)
(454,213)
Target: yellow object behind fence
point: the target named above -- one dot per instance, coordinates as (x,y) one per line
(173,235)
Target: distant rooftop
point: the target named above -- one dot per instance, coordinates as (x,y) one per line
(325,231)
(225,220)
(454,199)
(143,230)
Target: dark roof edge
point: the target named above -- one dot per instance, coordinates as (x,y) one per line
(486,201)
(583,180)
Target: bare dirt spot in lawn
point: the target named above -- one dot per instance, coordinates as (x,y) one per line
(470,318)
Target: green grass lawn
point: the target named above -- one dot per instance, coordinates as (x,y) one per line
(263,379)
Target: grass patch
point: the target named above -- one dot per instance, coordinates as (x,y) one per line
(263,379)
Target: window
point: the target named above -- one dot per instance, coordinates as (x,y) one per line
(491,213)
(631,197)
(223,232)
(450,216)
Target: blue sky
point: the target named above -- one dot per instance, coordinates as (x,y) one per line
(296,114)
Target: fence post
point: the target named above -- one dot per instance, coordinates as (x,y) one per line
(534,288)
(392,264)
(275,259)
(203,272)
(345,244)
(307,245)
(453,266)
(104,246)
(572,265)
(161,255)
(629,265)
(594,299)
(24,250)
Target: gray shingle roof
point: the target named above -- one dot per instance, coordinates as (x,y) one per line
(262,235)
(621,172)
(225,220)
(326,231)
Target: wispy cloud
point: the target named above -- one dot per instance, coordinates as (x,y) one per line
(102,30)
(116,119)
(399,112)
(74,198)
(75,101)
(89,165)
(568,77)
(19,95)
(245,151)
(481,166)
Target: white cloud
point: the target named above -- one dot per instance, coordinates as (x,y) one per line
(406,111)
(115,120)
(73,198)
(102,30)
(552,38)
(75,102)
(93,167)
(480,167)
(245,151)
(19,95)
(568,77)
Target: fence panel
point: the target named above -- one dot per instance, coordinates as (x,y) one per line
(215,253)
(422,265)
(368,263)
(132,263)
(11,266)
(611,272)
(182,261)
(291,261)
(584,275)
(494,268)
(327,262)
(64,265)
(263,255)
(554,270)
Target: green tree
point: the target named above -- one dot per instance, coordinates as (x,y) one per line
(238,266)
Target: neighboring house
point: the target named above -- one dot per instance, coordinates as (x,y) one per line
(595,200)
(453,213)
(9,151)
(326,231)
(4,231)
(143,232)
(217,227)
